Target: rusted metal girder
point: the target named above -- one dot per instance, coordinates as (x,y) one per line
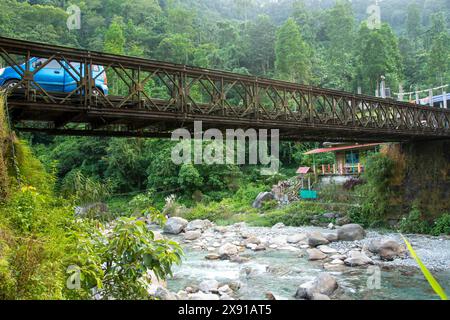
(151,98)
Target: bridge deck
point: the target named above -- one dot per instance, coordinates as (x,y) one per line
(151,98)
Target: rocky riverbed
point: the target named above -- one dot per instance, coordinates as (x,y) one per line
(243,262)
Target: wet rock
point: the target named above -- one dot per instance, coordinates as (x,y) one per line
(351,232)
(210,285)
(260,247)
(315,254)
(316,239)
(326,249)
(262,197)
(239,259)
(324,284)
(225,289)
(270,296)
(212,256)
(198,224)
(319,296)
(357,258)
(192,235)
(296,238)
(387,249)
(175,225)
(228,250)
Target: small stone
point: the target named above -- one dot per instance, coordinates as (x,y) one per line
(212,256)
(337,261)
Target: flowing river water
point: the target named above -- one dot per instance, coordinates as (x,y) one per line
(282,270)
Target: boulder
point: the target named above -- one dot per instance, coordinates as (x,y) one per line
(278,225)
(329,215)
(209,285)
(331,237)
(225,289)
(337,262)
(198,224)
(192,235)
(351,232)
(315,254)
(252,240)
(324,284)
(228,250)
(175,225)
(296,238)
(387,249)
(357,258)
(316,239)
(262,197)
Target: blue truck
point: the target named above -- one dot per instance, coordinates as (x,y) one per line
(53,77)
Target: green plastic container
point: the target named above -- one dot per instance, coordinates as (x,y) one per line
(308,194)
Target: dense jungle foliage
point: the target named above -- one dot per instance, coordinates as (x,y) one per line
(327,44)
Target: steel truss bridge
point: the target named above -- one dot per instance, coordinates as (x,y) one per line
(151,98)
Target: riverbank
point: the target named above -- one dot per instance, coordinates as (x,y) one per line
(261,262)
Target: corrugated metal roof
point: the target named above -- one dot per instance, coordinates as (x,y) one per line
(333,149)
(303,170)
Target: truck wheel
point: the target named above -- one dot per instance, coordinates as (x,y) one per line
(10,84)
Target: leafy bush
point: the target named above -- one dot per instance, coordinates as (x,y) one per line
(414,223)
(441,225)
(295,214)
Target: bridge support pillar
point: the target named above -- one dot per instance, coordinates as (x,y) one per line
(423,175)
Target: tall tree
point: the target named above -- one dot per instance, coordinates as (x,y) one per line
(292,54)
(378,55)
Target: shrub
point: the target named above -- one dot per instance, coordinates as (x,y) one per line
(414,223)
(441,225)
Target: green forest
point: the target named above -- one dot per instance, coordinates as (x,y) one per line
(328,45)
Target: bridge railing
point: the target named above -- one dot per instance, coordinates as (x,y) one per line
(136,83)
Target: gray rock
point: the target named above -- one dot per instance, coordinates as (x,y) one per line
(342,221)
(316,239)
(315,254)
(210,285)
(329,215)
(296,238)
(192,235)
(387,249)
(262,197)
(228,250)
(278,225)
(212,256)
(357,258)
(324,284)
(326,249)
(331,237)
(351,232)
(198,224)
(319,296)
(175,225)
